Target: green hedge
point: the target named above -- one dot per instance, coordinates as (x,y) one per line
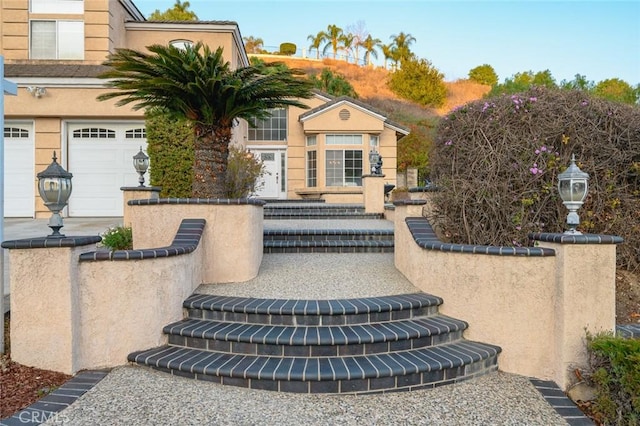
(615,371)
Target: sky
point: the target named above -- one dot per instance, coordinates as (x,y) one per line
(597,39)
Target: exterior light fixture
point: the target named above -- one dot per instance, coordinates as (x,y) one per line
(573,185)
(375,161)
(141,164)
(37,91)
(54,186)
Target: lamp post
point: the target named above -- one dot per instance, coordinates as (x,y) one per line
(375,161)
(141,164)
(573,185)
(54,186)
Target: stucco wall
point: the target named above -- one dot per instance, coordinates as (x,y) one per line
(536,308)
(232,239)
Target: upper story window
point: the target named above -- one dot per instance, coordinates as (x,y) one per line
(181,44)
(57,40)
(57,6)
(343,140)
(273,128)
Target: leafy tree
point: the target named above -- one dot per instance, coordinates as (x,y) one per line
(484,74)
(198,85)
(523,81)
(370,44)
(334,84)
(419,81)
(253,44)
(268,68)
(614,89)
(400,49)
(179,12)
(316,41)
(332,37)
(579,82)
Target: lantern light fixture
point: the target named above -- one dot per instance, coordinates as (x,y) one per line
(573,186)
(54,186)
(141,164)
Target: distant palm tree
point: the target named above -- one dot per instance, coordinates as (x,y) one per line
(387,51)
(253,44)
(370,45)
(332,37)
(401,43)
(347,44)
(196,84)
(316,41)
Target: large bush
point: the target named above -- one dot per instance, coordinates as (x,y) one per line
(484,74)
(170,148)
(497,161)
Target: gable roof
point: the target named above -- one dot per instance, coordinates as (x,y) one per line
(347,100)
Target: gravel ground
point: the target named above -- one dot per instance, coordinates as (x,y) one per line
(139,396)
(319,276)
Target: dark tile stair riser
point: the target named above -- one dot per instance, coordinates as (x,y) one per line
(332,249)
(315,341)
(365,345)
(326,215)
(426,367)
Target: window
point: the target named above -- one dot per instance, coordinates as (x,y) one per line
(57,40)
(94,133)
(273,128)
(374,141)
(57,6)
(15,132)
(312,169)
(343,168)
(344,139)
(181,44)
(139,133)
(312,140)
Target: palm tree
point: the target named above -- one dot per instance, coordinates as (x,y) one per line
(316,41)
(332,36)
(387,51)
(253,44)
(347,43)
(198,85)
(369,45)
(401,43)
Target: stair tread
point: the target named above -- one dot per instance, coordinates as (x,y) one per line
(311,307)
(316,335)
(263,367)
(284,232)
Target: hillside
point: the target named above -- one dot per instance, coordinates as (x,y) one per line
(371,86)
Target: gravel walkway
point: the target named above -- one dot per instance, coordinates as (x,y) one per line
(139,396)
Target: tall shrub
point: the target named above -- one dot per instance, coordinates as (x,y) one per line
(497,161)
(243,173)
(419,81)
(170,148)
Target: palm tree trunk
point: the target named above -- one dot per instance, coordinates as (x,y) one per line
(211,149)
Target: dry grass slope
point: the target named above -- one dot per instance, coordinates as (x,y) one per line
(370,84)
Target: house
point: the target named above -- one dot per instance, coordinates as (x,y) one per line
(53,50)
(322,152)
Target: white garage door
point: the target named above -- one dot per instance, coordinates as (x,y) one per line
(101,160)
(19,183)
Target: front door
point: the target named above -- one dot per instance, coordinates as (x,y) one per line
(273,182)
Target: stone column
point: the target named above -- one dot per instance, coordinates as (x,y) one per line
(373,191)
(45,301)
(585,299)
(136,193)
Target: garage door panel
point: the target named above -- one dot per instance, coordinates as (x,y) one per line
(100,167)
(19,170)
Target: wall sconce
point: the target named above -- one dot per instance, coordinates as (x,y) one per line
(141,164)
(573,185)
(37,91)
(54,186)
